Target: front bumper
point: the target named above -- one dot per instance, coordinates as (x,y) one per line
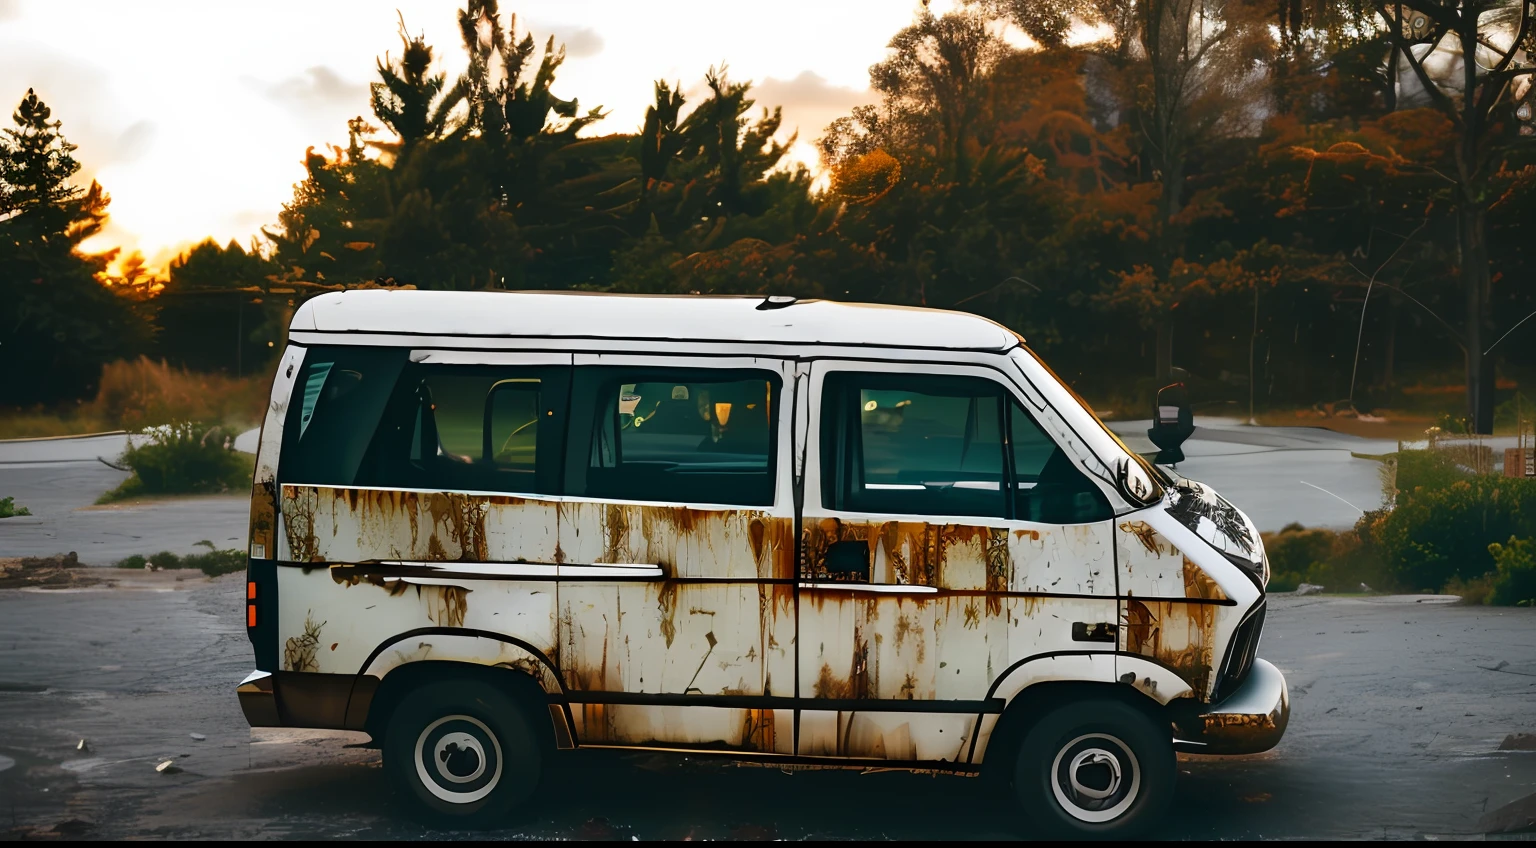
(1249,721)
(258,700)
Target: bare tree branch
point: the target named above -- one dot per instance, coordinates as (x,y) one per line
(1439,97)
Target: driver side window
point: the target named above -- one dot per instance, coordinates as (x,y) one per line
(902,443)
(931,445)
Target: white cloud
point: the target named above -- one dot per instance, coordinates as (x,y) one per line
(580,42)
(319,86)
(133,143)
(810,103)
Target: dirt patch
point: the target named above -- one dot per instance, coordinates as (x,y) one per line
(60,571)
(1519,742)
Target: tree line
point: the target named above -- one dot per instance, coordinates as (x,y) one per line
(1287,201)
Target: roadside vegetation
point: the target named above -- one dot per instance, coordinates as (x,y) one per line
(212,562)
(183,458)
(132,394)
(9,509)
(1433,538)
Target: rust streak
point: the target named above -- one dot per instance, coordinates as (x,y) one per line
(997,568)
(446,604)
(299,507)
(299,651)
(264,515)
(830,687)
(1198,584)
(1144,534)
(666,601)
(1176,634)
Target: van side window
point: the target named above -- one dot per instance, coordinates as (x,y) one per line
(473,428)
(333,413)
(1049,487)
(674,435)
(913,444)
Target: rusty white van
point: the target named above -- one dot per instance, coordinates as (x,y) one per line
(487,527)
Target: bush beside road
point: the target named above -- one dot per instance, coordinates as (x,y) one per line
(1435,537)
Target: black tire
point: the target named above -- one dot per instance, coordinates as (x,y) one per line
(464,752)
(1096,769)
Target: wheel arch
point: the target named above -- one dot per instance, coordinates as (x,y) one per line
(421,657)
(1032,685)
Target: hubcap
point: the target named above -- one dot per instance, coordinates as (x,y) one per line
(1094,774)
(1095,778)
(458,759)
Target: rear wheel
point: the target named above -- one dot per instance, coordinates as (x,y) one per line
(463,751)
(1095,770)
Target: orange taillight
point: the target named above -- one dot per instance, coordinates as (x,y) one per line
(250,616)
(250,591)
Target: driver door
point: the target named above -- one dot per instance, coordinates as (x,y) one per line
(946,538)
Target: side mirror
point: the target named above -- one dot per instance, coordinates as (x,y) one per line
(1134,482)
(1172,423)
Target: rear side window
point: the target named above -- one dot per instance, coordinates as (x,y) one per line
(335,409)
(674,435)
(474,428)
(913,444)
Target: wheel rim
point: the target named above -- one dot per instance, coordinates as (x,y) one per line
(1095,778)
(458,759)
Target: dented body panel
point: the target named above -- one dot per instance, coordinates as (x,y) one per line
(718,627)
(1182,600)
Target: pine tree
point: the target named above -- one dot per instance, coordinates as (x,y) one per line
(38,196)
(409,99)
(55,313)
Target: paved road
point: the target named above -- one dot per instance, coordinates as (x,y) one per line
(1279,475)
(59,481)
(1396,724)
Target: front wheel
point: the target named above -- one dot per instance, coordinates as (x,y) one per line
(464,751)
(1096,770)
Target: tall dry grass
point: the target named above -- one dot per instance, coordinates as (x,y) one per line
(143,392)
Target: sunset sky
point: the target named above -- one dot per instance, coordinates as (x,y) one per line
(195,115)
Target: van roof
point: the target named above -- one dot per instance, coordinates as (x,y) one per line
(583,315)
